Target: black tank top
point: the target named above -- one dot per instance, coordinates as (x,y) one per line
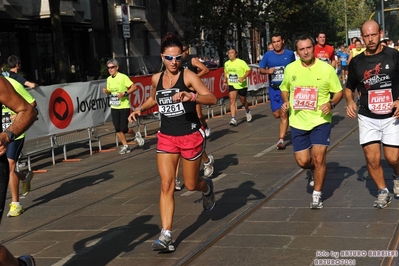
(177,119)
(186,63)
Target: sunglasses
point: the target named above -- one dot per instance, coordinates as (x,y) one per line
(170,58)
(111,67)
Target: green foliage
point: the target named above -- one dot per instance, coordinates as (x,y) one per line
(288,17)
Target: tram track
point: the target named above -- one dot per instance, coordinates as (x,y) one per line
(217,236)
(115,160)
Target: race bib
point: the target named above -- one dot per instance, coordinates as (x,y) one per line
(278,75)
(233,78)
(380,101)
(114,101)
(6,120)
(305,98)
(166,105)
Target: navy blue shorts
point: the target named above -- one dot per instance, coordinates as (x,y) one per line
(303,139)
(14,149)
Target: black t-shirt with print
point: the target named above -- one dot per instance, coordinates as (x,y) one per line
(376,77)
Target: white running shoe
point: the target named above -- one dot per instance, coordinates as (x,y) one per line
(177,184)
(139,139)
(163,244)
(316,203)
(208,167)
(233,122)
(125,149)
(207,132)
(249,116)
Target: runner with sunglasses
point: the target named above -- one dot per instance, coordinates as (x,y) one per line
(177,91)
(119,87)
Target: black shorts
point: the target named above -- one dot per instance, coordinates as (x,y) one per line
(119,119)
(241,92)
(344,68)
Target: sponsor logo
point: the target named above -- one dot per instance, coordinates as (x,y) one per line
(60,108)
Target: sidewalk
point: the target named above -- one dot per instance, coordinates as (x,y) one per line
(103,210)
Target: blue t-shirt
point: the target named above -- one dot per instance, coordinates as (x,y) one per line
(343,57)
(279,62)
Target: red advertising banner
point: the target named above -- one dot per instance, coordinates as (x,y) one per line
(144,86)
(213,80)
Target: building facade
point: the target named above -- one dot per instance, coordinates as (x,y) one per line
(92,32)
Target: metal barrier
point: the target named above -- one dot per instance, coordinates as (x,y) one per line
(75,136)
(38,146)
(145,120)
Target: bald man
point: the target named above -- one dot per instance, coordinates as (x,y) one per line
(375,73)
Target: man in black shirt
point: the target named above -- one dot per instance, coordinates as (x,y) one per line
(375,74)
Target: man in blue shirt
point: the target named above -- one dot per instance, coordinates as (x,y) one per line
(273,64)
(343,57)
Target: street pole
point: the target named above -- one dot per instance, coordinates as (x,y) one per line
(127,56)
(383,18)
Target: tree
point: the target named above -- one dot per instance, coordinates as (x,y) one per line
(223,21)
(60,53)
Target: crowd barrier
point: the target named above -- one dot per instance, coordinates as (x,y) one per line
(74,113)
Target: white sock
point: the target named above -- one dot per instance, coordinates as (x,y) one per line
(16,203)
(167,233)
(316,193)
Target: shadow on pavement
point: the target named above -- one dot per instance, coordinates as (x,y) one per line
(72,186)
(113,242)
(232,200)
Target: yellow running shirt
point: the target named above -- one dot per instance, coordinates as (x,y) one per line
(309,87)
(355,52)
(6,112)
(235,70)
(119,83)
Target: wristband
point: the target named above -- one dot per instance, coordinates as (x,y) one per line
(126,94)
(193,97)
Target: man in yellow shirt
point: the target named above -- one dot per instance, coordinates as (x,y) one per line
(305,90)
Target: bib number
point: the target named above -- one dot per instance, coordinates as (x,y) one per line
(114,101)
(166,105)
(380,101)
(233,78)
(6,120)
(305,99)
